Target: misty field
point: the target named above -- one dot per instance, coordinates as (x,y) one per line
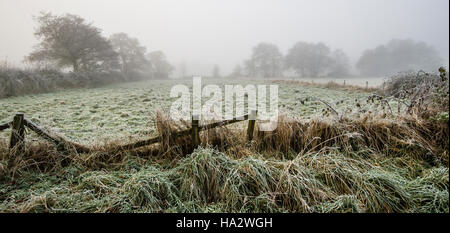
(126,110)
(87,120)
(369,159)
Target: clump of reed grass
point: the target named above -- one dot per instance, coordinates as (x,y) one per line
(201,175)
(263,203)
(210,176)
(387,136)
(210,181)
(377,189)
(342,204)
(248,179)
(298,189)
(152,189)
(170,145)
(430,192)
(99,182)
(40,156)
(37,204)
(384,192)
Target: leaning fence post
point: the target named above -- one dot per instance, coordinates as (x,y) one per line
(17,133)
(195,133)
(251,124)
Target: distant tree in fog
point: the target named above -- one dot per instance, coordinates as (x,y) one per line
(131,54)
(160,67)
(266,61)
(249,69)
(340,64)
(183,69)
(397,56)
(309,59)
(69,41)
(216,71)
(237,72)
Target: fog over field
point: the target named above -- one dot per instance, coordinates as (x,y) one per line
(224,106)
(200,34)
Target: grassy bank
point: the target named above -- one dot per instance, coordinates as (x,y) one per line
(377,165)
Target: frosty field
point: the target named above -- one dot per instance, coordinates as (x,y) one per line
(126,110)
(356,162)
(108,114)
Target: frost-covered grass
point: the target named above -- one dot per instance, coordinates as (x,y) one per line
(126,110)
(355,163)
(211,181)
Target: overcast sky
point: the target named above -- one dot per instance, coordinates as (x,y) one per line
(206,32)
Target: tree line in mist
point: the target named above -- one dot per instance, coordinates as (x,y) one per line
(69,42)
(317,60)
(73,53)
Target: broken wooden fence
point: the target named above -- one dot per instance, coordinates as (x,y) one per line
(17,136)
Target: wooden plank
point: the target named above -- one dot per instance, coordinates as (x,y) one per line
(150,141)
(83,149)
(137,144)
(54,139)
(182,133)
(5,126)
(41,132)
(223,123)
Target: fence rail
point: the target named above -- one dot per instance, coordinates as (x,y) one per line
(4,126)
(59,142)
(19,123)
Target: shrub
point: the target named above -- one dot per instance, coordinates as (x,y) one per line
(14,82)
(423,93)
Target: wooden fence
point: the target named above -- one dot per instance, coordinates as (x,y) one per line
(17,136)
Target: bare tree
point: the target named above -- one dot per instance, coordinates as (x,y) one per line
(397,56)
(237,72)
(161,68)
(69,41)
(340,64)
(266,61)
(216,71)
(131,54)
(309,59)
(183,69)
(250,69)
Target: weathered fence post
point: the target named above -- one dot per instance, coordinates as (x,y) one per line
(367,85)
(251,124)
(195,131)
(17,133)
(344,82)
